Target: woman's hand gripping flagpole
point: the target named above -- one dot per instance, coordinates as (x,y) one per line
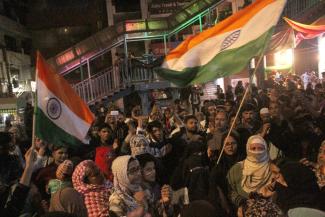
(240,106)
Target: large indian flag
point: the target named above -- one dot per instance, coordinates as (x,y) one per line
(61,115)
(225,48)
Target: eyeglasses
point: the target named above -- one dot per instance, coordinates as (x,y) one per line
(231,143)
(134,170)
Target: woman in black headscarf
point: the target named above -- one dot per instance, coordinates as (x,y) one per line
(297,190)
(193,171)
(219,172)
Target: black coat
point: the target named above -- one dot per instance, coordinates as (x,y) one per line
(14,206)
(218,176)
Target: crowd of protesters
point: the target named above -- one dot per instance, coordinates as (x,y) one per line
(175,163)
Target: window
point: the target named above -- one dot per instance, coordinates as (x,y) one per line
(27,46)
(11,43)
(125,6)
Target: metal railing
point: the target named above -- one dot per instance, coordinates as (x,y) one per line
(295,8)
(143,72)
(134,72)
(98,87)
(114,79)
(151,28)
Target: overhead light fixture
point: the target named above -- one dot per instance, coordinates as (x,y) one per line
(284,58)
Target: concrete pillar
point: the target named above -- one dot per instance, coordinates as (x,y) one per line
(236,4)
(110,10)
(3,66)
(144,9)
(145,15)
(144,102)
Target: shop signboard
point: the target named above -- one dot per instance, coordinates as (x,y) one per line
(166,6)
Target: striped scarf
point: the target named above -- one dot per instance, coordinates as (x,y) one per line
(96,196)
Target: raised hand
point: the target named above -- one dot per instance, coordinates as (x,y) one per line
(166,194)
(30,157)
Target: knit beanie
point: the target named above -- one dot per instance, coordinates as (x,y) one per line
(64,170)
(139,144)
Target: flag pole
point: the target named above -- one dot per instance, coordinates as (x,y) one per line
(35,102)
(240,105)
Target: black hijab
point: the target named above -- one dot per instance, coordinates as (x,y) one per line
(302,190)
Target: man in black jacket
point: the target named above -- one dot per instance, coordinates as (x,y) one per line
(10,169)
(11,203)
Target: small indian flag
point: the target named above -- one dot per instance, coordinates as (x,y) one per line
(225,48)
(61,116)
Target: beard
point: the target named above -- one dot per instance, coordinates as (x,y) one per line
(158,139)
(193,130)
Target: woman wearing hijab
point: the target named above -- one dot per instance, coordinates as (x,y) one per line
(251,174)
(218,181)
(68,200)
(297,192)
(193,171)
(319,167)
(90,182)
(128,194)
(158,198)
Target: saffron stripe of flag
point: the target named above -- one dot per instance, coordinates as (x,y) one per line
(225,48)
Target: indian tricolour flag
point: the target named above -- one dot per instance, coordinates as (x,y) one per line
(225,48)
(61,116)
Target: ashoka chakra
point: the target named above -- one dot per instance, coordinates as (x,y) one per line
(230,40)
(53,108)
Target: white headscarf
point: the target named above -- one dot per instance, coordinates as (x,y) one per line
(256,171)
(120,172)
(122,185)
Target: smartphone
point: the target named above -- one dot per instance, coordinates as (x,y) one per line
(114,113)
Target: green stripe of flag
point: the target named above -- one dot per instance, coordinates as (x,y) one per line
(46,130)
(223,64)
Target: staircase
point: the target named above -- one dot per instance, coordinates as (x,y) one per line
(118,81)
(131,30)
(132,73)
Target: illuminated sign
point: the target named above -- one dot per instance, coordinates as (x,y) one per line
(166,6)
(135,26)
